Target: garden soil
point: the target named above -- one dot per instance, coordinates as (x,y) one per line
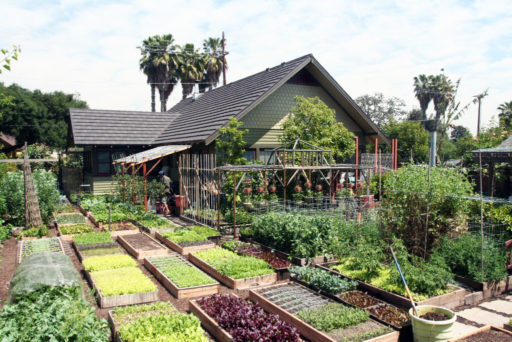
(7,266)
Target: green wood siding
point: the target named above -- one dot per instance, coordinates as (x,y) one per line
(102,185)
(265,120)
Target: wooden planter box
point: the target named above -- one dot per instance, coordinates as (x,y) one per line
(209,323)
(19,252)
(154,247)
(230,282)
(151,231)
(113,326)
(304,328)
(480,330)
(187,292)
(183,250)
(489,288)
(449,300)
(121,300)
(507,326)
(83,247)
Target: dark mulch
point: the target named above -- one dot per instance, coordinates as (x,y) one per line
(435,316)
(487,336)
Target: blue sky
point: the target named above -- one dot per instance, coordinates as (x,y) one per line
(89,47)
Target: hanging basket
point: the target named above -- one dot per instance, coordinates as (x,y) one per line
(272,188)
(298,189)
(318,187)
(307,185)
(260,189)
(247,190)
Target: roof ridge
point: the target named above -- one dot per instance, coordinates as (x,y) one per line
(117,111)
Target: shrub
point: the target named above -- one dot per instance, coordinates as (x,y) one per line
(323,279)
(233,265)
(5,231)
(406,194)
(92,238)
(333,316)
(463,256)
(12,187)
(122,281)
(108,262)
(35,232)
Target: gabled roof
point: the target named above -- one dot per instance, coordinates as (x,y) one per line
(7,139)
(112,127)
(199,119)
(505,147)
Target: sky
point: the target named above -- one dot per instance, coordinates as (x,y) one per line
(90,47)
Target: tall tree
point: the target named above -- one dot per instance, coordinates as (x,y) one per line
(159,62)
(382,110)
(459,132)
(505,114)
(214,62)
(190,68)
(412,140)
(314,122)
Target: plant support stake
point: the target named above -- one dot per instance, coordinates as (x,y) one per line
(403,280)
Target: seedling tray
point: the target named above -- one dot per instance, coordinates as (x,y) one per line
(230,282)
(288,299)
(187,292)
(449,300)
(184,250)
(121,300)
(141,245)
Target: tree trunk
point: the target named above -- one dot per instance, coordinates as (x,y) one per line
(153,104)
(162,100)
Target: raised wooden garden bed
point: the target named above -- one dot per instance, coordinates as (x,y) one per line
(230,282)
(82,254)
(489,288)
(286,300)
(187,292)
(488,333)
(449,300)
(151,231)
(121,300)
(34,246)
(121,228)
(209,323)
(507,326)
(184,250)
(141,245)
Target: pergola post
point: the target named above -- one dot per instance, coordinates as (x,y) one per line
(357,162)
(144,177)
(133,183)
(235,234)
(284,179)
(376,152)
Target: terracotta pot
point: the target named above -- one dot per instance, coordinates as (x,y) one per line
(260,189)
(318,187)
(298,189)
(247,190)
(342,185)
(307,185)
(272,188)
(350,185)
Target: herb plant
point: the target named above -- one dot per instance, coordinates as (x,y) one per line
(233,265)
(92,238)
(246,321)
(122,281)
(108,262)
(333,316)
(323,279)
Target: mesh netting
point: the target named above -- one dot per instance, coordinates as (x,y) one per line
(43,270)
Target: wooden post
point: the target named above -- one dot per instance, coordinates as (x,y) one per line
(235,235)
(124,182)
(218,199)
(133,184)
(376,152)
(284,179)
(180,185)
(396,154)
(357,161)
(144,178)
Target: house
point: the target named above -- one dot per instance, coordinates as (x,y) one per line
(261,101)
(8,145)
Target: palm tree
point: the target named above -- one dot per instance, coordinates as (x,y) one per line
(423,92)
(505,113)
(212,48)
(190,68)
(159,62)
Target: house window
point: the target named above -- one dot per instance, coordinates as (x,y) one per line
(103,162)
(250,155)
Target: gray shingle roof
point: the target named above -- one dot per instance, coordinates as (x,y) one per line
(112,127)
(504,147)
(202,117)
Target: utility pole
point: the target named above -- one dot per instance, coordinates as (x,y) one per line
(223,59)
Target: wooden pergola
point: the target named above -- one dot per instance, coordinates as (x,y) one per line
(139,160)
(297,161)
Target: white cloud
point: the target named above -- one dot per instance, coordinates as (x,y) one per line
(368,46)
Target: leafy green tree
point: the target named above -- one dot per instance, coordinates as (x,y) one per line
(38,117)
(231,143)
(382,110)
(459,132)
(190,68)
(159,63)
(7,56)
(505,114)
(314,122)
(412,140)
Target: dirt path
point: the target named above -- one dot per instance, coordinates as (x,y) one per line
(7,266)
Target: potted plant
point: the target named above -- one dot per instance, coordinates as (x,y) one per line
(272,198)
(308,196)
(318,187)
(432,323)
(272,189)
(307,185)
(247,202)
(319,196)
(259,201)
(298,188)
(260,189)
(297,198)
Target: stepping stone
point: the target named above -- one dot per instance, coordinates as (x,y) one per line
(499,305)
(483,317)
(460,329)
